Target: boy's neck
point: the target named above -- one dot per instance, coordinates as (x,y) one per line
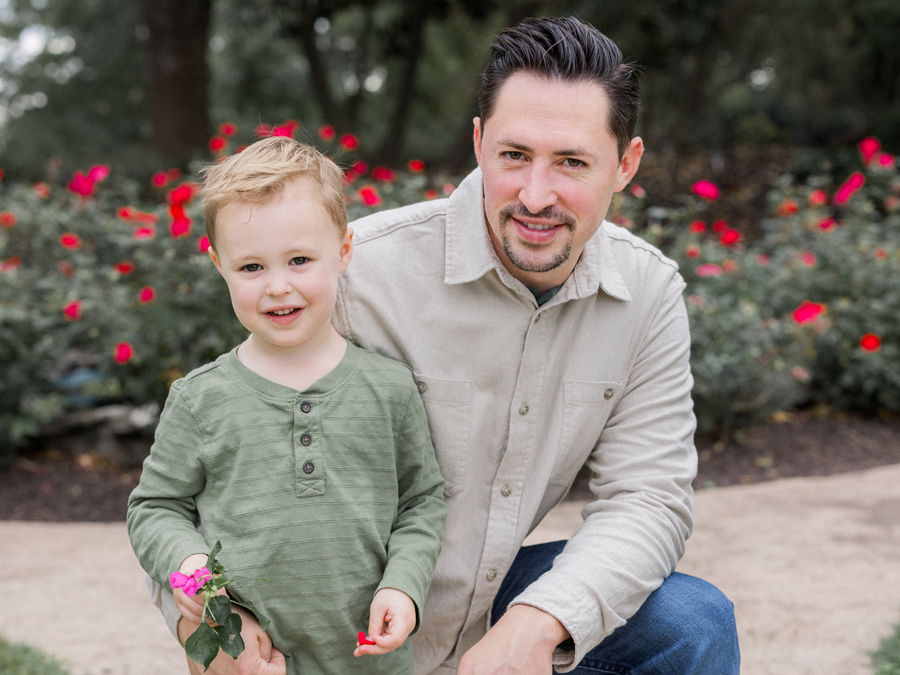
(296,367)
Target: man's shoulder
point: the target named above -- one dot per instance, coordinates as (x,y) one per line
(397,221)
(625,243)
(383,369)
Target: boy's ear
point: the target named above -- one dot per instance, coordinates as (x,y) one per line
(346,249)
(215,259)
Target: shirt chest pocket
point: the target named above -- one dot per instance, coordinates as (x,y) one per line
(448,408)
(586,409)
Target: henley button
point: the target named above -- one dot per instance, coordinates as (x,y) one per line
(305,407)
(306,439)
(524,409)
(608,394)
(491,575)
(309,467)
(422,387)
(505,491)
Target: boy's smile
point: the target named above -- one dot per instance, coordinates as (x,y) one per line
(281,261)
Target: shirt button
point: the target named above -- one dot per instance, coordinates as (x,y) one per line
(608,394)
(491,575)
(523,409)
(505,491)
(305,407)
(309,467)
(422,387)
(306,439)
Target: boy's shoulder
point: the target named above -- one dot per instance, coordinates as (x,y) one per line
(207,376)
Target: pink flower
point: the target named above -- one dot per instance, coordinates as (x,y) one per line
(144,232)
(81,184)
(11,263)
(189,584)
(868,148)
(349,142)
(369,195)
(728,265)
(217,143)
(827,223)
(697,227)
(706,189)
(808,311)
(881,254)
(126,212)
(147,295)
(286,129)
(160,179)
(849,187)
(730,237)
(141,217)
(72,311)
(203,244)
(98,173)
(180,227)
(709,270)
(416,165)
(327,132)
(70,241)
(809,259)
(692,251)
(870,342)
(263,130)
(431,194)
(885,160)
(719,226)
(383,174)
(182,194)
(817,198)
(228,129)
(787,208)
(638,191)
(763,258)
(174,174)
(124,352)
(448,188)
(41,190)
(8,218)
(125,267)
(800,373)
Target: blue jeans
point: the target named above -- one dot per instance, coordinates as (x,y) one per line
(685,627)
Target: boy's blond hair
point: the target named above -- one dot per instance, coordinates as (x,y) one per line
(259,174)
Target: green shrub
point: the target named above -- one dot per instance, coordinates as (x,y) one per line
(886,660)
(19,659)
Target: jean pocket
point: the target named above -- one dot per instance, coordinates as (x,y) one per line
(448,408)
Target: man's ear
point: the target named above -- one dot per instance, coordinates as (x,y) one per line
(631,160)
(476,139)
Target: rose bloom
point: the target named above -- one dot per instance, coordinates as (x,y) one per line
(203,244)
(98,173)
(892,202)
(81,184)
(870,342)
(8,218)
(70,241)
(808,311)
(728,265)
(431,193)
(709,270)
(263,130)
(868,148)
(720,226)
(817,198)
(880,253)
(160,179)
(369,195)
(327,132)
(848,188)
(180,227)
(383,174)
(144,232)
(787,207)
(809,259)
(638,191)
(697,227)
(228,128)
(124,352)
(800,373)
(763,259)
(448,188)
(827,223)
(692,251)
(146,295)
(730,237)
(126,213)
(183,193)
(41,190)
(885,160)
(10,263)
(125,267)
(217,143)
(706,189)
(349,142)
(72,311)
(416,165)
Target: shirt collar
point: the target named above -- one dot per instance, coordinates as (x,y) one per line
(470,254)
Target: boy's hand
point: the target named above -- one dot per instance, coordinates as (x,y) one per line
(191,607)
(395,609)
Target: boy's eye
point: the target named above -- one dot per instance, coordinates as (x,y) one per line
(299,260)
(251,267)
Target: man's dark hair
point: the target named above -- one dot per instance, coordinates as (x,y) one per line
(568,50)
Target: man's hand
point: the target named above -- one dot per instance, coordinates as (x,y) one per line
(392,616)
(520,643)
(259,657)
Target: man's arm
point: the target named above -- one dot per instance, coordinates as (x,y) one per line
(634,531)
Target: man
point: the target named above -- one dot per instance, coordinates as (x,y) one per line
(542,338)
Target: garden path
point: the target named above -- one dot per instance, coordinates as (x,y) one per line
(810,563)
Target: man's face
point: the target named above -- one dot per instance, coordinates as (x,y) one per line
(550,167)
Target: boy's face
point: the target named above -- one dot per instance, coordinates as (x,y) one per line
(281,262)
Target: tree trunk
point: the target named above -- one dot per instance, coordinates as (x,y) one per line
(179,77)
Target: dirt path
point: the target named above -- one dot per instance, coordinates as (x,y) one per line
(810,563)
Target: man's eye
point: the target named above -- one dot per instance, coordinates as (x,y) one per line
(299,260)
(252,267)
(571,162)
(514,155)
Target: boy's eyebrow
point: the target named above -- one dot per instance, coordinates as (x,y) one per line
(565,152)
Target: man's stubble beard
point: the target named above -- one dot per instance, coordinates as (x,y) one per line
(549,214)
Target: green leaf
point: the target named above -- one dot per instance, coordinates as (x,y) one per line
(214,553)
(230,636)
(203,645)
(264,622)
(220,608)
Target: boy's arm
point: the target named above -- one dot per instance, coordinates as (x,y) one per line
(161,510)
(415,540)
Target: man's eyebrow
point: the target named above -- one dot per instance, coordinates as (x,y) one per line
(565,152)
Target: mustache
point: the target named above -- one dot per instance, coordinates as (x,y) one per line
(550,213)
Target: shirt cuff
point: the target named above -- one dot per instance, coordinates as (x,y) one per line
(165,603)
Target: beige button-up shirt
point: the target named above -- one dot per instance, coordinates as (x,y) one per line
(519,397)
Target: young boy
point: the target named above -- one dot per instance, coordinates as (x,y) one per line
(306,456)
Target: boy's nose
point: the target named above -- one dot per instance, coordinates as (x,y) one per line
(277,285)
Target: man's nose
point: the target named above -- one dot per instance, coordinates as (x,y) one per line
(538,191)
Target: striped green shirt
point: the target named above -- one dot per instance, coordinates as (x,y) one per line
(330,494)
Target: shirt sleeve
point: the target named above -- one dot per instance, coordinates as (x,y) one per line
(161,510)
(635,530)
(418,529)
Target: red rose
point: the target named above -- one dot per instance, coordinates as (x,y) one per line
(880,253)
(147,295)
(81,184)
(809,259)
(327,132)
(693,251)
(160,179)
(369,195)
(697,227)
(144,232)
(349,142)
(203,244)
(286,129)
(182,194)
(72,311)
(180,227)
(228,129)
(730,237)
(10,263)
(383,174)
(763,259)
(885,160)
(868,148)
(787,208)
(217,143)
(123,353)
(870,342)
(8,218)
(98,173)
(70,241)
(41,190)
(416,165)
(728,265)
(808,311)
(817,198)
(827,223)
(448,188)
(431,194)
(126,212)
(705,189)
(638,191)
(125,267)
